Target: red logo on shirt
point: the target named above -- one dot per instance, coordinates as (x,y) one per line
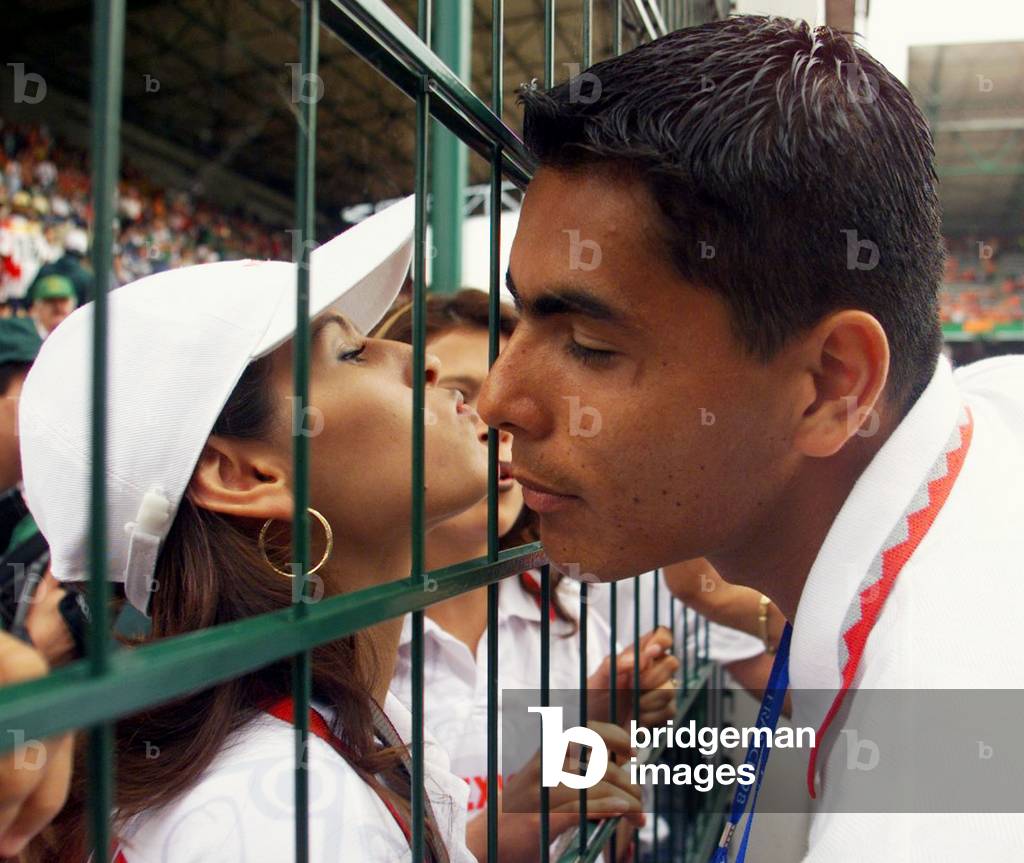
(478,791)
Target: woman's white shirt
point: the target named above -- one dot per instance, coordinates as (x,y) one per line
(455,680)
(242,810)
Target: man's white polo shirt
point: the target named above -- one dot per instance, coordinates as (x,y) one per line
(455,681)
(952,620)
(242,810)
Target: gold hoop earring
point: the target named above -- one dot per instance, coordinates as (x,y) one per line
(327,551)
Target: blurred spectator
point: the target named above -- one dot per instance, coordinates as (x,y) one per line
(19,344)
(45,202)
(23,247)
(33,605)
(72,265)
(51,299)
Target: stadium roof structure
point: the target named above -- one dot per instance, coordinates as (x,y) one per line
(974,99)
(210,81)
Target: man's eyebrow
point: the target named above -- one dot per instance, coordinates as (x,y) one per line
(566,300)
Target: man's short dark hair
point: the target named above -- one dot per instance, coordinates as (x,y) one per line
(793,172)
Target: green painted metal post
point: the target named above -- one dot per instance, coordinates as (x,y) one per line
(452,37)
(493,348)
(107,71)
(418,575)
(305,219)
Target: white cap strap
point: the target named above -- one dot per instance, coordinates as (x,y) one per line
(144,536)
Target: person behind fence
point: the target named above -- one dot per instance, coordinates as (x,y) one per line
(730,255)
(455,630)
(35,774)
(200,490)
(33,605)
(73,265)
(51,299)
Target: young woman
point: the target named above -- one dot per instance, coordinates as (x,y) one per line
(200,494)
(455,667)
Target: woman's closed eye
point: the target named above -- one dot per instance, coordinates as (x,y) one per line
(468,388)
(352,354)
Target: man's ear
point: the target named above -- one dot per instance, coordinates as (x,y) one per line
(846,364)
(243,478)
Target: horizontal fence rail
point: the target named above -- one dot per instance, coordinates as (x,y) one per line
(154,673)
(381,38)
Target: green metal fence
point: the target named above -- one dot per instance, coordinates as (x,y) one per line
(113,682)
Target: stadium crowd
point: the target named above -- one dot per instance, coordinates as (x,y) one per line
(45,213)
(983,283)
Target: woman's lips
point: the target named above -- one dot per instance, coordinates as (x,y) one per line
(505,479)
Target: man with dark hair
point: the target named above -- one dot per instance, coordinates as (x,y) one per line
(727,266)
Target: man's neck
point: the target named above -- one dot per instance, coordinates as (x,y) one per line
(776,557)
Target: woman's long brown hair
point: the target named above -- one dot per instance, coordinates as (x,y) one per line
(209,572)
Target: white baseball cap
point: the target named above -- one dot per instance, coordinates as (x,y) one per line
(76,240)
(179,342)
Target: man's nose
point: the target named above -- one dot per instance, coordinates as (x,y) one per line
(509,399)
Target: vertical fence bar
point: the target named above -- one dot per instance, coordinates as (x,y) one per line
(617,27)
(545,701)
(672,621)
(588,18)
(686,648)
(493,346)
(305,198)
(545,577)
(492,545)
(107,70)
(549,43)
(419,340)
(673,796)
(613,678)
(583,708)
(588,14)
(419,322)
(636,685)
(656,598)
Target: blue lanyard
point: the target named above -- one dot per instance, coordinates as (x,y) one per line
(757,755)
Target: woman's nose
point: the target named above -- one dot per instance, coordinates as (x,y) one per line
(431,365)
(432,369)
